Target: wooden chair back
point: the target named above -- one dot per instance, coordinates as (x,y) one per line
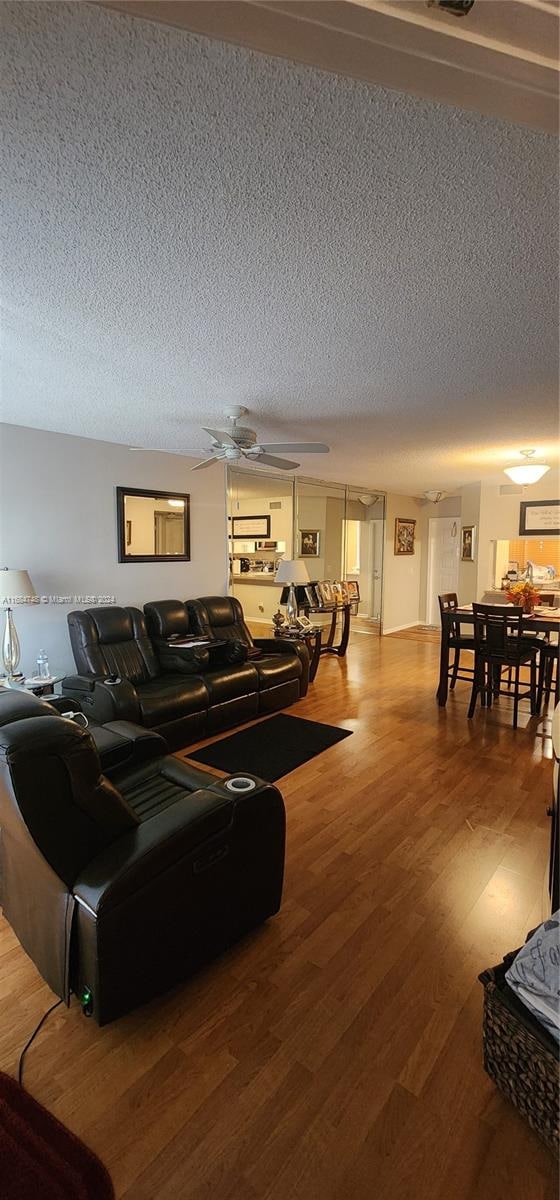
(496,628)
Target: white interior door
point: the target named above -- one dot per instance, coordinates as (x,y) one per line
(377,572)
(443,562)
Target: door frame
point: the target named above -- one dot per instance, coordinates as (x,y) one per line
(430,570)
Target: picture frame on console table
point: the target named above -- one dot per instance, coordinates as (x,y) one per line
(540,518)
(325,592)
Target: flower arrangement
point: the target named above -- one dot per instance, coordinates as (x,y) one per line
(524,595)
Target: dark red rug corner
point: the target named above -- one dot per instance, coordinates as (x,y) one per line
(39,1158)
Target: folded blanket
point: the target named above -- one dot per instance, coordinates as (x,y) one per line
(534,975)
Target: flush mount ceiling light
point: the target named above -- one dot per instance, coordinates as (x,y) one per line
(527,472)
(176,503)
(435,497)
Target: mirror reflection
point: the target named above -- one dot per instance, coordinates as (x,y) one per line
(152,526)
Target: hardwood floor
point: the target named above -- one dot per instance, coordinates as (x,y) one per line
(336,1053)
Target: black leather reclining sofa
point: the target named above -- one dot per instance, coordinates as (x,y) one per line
(133,668)
(119,888)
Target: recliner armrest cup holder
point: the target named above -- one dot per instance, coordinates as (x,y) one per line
(240,785)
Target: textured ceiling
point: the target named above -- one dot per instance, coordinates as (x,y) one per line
(189,224)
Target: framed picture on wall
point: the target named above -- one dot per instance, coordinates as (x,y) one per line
(309,543)
(541,517)
(405,531)
(468,539)
(250,527)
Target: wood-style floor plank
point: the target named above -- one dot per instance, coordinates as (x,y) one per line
(335,1054)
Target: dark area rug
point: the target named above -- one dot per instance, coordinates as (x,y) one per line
(272,748)
(39,1158)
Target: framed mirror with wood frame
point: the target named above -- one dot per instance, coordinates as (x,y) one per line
(153,526)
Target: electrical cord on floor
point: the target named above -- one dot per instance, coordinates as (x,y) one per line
(33,1036)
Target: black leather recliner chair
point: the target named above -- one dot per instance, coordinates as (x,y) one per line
(120,888)
(182,693)
(279,667)
(221,617)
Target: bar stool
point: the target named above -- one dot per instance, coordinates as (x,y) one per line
(499,643)
(448,602)
(549,675)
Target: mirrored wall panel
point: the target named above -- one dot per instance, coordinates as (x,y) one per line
(334,531)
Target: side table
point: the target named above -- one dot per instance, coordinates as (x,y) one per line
(39,687)
(312,638)
(334,609)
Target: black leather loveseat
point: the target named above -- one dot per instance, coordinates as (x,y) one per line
(117,889)
(133,671)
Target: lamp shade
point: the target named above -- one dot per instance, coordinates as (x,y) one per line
(14,584)
(528,473)
(291,570)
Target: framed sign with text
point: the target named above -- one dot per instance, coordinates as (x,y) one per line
(248,527)
(540,518)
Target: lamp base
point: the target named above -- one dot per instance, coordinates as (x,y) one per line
(11,652)
(291,606)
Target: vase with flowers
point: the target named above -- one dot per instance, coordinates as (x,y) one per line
(524,595)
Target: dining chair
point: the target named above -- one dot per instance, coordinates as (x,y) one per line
(448,602)
(499,644)
(549,675)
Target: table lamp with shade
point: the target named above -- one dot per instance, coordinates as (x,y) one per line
(291,571)
(13,584)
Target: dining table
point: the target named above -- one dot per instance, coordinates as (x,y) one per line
(535,622)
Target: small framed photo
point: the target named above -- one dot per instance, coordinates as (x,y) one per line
(405,530)
(353,588)
(311,595)
(309,543)
(325,592)
(468,538)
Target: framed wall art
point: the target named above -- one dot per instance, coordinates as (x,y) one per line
(540,517)
(468,539)
(309,543)
(405,531)
(250,527)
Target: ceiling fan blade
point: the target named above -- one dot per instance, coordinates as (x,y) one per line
(296,447)
(160,450)
(283,464)
(207,462)
(220,436)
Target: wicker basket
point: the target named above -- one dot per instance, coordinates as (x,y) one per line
(520,1055)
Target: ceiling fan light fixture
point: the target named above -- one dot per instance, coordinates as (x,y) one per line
(434,496)
(527,472)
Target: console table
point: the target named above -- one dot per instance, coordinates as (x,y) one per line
(312,639)
(334,609)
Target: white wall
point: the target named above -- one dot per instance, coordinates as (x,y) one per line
(58,521)
(312,514)
(403,604)
(468,571)
(496,516)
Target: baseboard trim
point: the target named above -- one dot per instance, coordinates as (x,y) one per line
(397,628)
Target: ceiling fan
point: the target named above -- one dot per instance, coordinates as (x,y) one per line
(236,442)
